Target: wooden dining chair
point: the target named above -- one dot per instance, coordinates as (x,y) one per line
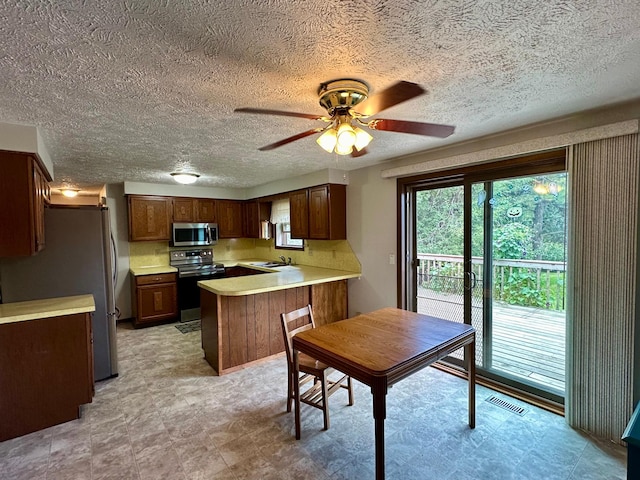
(311,370)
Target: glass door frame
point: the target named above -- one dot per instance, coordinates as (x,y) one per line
(540,163)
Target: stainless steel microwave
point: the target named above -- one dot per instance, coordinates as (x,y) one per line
(194,234)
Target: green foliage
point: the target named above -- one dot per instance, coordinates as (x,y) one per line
(512,240)
(520,289)
(538,232)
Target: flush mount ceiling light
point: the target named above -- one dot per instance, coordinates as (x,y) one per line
(185,177)
(69,192)
(347,101)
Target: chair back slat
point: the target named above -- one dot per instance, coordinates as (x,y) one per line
(295,322)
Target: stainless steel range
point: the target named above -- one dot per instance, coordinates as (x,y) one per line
(193,266)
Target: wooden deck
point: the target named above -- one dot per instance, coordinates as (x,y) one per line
(528,343)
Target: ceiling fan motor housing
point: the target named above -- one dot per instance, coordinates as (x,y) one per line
(339,96)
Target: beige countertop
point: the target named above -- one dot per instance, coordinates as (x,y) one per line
(158,269)
(277,278)
(45,308)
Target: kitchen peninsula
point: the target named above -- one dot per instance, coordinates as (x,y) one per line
(241,315)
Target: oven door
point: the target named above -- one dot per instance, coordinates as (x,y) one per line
(189,295)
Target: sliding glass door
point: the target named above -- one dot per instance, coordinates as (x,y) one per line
(491,252)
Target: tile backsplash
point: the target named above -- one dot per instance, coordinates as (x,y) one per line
(335,254)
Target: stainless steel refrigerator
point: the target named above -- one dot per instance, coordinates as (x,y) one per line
(79,257)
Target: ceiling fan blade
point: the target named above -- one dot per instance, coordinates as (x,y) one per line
(417,128)
(290,139)
(355,153)
(278,112)
(389,97)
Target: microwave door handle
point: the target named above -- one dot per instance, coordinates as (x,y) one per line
(208,235)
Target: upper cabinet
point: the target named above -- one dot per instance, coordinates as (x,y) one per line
(194,210)
(149,218)
(299,213)
(229,218)
(255,212)
(319,213)
(328,212)
(24,193)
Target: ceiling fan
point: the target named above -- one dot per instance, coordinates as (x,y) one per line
(340,98)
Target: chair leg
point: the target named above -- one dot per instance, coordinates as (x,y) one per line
(325,400)
(290,391)
(350,388)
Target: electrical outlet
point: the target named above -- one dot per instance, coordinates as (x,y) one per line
(392,259)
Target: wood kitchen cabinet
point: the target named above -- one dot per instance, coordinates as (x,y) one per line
(319,213)
(299,213)
(47,372)
(24,193)
(156,298)
(229,218)
(328,212)
(255,212)
(194,210)
(149,218)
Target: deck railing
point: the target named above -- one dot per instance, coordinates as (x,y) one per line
(532,283)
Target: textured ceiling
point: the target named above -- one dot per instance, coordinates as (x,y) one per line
(131,90)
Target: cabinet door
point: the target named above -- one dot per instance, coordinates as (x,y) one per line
(206,210)
(328,212)
(299,213)
(23,194)
(319,213)
(251,226)
(229,218)
(184,210)
(149,218)
(156,302)
(40,195)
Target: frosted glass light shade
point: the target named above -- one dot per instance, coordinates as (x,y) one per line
(344,150)
(185,177)
(362,138)
(328,140)
(346,136)
(69,192)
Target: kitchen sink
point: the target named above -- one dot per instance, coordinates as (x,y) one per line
(269,264)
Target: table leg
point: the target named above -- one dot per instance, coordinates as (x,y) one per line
(471,374)
(379,414)
(296,391)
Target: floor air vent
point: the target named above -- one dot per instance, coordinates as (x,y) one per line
(506,405)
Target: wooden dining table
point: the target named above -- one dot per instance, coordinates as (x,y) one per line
(381,348)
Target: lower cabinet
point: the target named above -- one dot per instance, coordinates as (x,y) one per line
(156,298)
(47,372)
(237,330)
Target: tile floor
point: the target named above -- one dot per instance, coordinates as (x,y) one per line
(168,417)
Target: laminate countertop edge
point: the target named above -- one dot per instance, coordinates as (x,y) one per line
(45,308)
(275,279)
(155,270)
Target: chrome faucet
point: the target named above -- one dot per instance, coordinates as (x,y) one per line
(284,260)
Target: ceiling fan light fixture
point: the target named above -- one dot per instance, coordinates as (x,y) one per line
(328,140)
(362,138)
(344,150)
(346,137)
(185,178)
(69,192)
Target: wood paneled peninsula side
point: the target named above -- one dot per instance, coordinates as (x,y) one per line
(46,358)
(241,315)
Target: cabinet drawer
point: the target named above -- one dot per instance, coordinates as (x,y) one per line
(153,279)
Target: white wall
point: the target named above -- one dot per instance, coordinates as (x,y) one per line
(371,232)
